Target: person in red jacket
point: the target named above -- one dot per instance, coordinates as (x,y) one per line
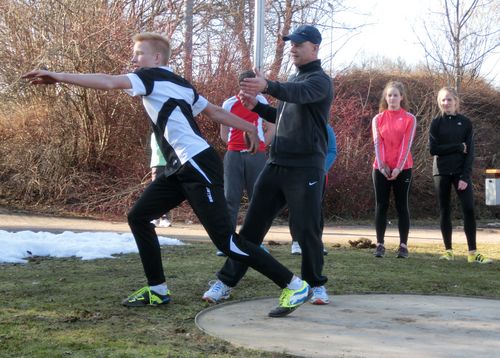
(393,131)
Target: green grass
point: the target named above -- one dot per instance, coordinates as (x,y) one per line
(71,308)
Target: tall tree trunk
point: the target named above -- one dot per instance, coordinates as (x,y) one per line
(280,44)
(239,31)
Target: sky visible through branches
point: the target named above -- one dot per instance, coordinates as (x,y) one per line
(390,31)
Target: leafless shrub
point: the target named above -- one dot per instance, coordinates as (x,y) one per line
(67,148)
(350,193)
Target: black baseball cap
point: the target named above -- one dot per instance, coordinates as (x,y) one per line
(304,33)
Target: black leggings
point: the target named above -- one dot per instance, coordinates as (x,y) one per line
(443,184)
(401,188)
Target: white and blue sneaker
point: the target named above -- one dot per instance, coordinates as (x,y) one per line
(319,296)
(217,292)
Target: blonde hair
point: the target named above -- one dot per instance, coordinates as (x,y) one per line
(453,92)
(159,43)
(383,105)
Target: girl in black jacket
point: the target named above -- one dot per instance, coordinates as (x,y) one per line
(452,145)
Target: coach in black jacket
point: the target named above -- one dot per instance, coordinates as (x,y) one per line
(294,174)
(302,113)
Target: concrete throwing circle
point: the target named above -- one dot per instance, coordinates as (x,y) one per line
(363,326)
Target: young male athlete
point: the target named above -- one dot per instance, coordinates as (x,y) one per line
(193,171)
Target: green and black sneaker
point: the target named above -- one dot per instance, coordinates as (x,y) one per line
(290,300)
(146,297)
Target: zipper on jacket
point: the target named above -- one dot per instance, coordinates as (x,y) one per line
(279,122)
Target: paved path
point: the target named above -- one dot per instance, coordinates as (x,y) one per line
(195,232)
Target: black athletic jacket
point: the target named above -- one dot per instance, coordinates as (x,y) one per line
(301,117)
(446,135)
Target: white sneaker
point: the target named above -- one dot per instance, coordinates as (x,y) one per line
(319,297)
(155,222)
(164,222)
(217,292)
(296,250)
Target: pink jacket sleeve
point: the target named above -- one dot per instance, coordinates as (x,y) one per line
(378,143)
(405,151)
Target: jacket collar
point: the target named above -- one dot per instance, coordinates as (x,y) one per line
(313,65)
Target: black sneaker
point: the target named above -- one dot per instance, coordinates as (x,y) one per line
(379,251)
(146,297)
(402,252)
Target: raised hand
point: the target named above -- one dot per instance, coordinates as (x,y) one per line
(254,86)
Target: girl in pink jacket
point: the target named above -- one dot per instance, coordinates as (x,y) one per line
(393,131)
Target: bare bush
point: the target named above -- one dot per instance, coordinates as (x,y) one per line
(52,136)
(350,193)
(70,149)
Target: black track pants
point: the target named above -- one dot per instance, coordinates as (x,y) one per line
(200,182)
(301,189)
(401,188)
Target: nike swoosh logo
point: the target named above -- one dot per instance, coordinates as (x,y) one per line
(311,183)
(234,248)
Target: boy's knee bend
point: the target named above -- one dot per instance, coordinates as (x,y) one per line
(133,217)
(222,248)
(236,247)
(130,216)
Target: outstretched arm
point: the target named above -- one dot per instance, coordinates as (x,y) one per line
(219,115)
(90,80)
(269,131)
(224,133)
(264,111)
(312,89)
